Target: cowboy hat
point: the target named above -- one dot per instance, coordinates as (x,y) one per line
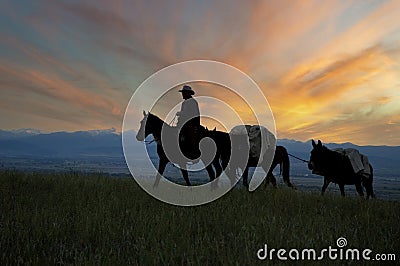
(188,89)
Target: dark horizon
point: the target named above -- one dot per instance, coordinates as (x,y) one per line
(36,131)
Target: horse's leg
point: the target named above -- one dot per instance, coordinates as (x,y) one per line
(185,175)
(367,182)
(325,185)
(218,167)
(369,189)
(161,167)
(232,174)
(245,177)
(341,186)
(267,180)
(360,189)
(271,178)
(210,172)
(372,193)
(288,183)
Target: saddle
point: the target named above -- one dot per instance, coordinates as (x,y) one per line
(189,138)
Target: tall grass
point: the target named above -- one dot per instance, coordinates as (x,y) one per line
(95,219)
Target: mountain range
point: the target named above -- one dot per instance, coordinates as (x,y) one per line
(35,143)
(32,142)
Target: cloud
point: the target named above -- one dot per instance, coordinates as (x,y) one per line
(328,68)
(336,98)
(64,96)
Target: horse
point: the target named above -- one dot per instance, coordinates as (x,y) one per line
(152,124)
(223,143)
(336,168)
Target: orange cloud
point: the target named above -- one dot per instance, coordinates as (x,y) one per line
(48,89)
(315,99)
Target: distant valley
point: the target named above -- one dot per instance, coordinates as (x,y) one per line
(106,145)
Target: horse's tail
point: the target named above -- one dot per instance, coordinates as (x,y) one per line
(285,165)
(370,189)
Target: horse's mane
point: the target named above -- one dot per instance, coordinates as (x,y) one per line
(153,116)
(332,153)
(156,123)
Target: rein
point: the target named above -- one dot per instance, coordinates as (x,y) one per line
(304,161)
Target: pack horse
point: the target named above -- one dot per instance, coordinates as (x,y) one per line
(343,167)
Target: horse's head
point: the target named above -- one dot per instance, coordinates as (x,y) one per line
(317,158)
(143,130)
(150,124)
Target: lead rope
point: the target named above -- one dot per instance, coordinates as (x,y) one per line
(305,161)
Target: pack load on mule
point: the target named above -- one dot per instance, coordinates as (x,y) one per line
(255,134)
(359,162)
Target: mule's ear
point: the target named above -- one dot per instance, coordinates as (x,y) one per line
(319,143)
(144,113)
(313,143)
(215,129)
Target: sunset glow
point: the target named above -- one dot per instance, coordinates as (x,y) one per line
(329,69)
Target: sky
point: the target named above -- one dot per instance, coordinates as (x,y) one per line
(329,69)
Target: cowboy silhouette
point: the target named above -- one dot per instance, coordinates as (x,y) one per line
(189,123)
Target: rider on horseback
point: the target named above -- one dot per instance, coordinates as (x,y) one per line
(189,123)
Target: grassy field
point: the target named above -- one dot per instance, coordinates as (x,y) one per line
(93,219)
